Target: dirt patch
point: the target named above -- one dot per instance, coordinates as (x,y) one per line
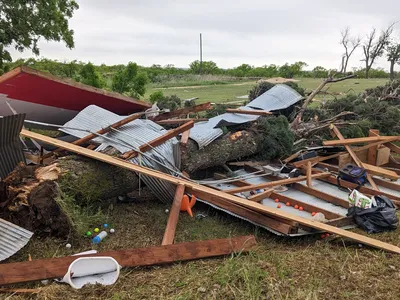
(278,80)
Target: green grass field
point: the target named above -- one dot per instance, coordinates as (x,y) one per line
(220,93)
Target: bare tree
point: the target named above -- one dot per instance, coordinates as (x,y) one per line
(374,47)
(350,44)
(393,56)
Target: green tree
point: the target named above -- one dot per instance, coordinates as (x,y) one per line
(24,22)
(129,80)
(393,56)
(206,67)
(320,72)
(90,76)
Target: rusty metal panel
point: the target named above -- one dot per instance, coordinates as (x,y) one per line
(10,145)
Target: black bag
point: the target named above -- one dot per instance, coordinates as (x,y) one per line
(376,219)
(352,174)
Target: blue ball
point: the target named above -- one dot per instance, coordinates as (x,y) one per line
(105,225)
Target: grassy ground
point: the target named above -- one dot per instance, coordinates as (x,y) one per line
(279,268)
(228,92)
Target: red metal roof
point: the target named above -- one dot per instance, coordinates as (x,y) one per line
(33,86)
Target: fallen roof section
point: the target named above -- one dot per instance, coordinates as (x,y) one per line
(279,97)
(38,93)
(212,195)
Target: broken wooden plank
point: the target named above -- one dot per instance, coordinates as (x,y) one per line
(307,207)
(159,141)
(382,156)
(274,183)
(248,112)
(91,136)
(374,170)
(57,267)
(20,291)
(180,121)
(362,140)
(208,194)
(359,163)
(321,195)
(261,196)
(185,138)
(182,111)
(309,173)
(170,229)
(341,222)
(372,151)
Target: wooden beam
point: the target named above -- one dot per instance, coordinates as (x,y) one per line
(185,138)
(159,141)
(261,196)
(314,160)
(381,172)
(57,267)
(169,234)
(359,163)
(208,194)
(372,151)
(307,207)
(183,111)
(248,112)
(362,140)
(341,222)
(274,183)
(180,121)
(272,225)
(391,146)
(91,136)
(257,218)
(321,195)
(363,189)
(309,173)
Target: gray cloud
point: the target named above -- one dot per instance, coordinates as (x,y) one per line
(255,32)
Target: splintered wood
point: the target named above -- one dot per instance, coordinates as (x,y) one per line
(211,195)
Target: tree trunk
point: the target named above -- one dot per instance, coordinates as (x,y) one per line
(231,147)
(367,67)
(392,62)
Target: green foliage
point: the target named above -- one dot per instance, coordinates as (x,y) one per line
(23,23)
(172,102)
(373,73)
(296,87)
(157,96)
(90,76)
(276,137)
(206,67)
(129,80)
(289,71)
(319,72)
(260,89)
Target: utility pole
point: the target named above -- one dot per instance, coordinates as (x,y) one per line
(201,54)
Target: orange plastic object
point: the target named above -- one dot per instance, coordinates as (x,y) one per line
(296,206)
(278,206)
(313,213)
(276,200)
(187,205)
(287,203)
(301,208)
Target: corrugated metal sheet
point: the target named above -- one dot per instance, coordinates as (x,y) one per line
(135,134)
(10,144)
(293,194)
(12,238)
(279,97)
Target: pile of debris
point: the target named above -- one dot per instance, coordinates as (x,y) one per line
(307,193)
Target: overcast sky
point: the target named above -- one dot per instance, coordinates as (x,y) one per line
(256,32)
